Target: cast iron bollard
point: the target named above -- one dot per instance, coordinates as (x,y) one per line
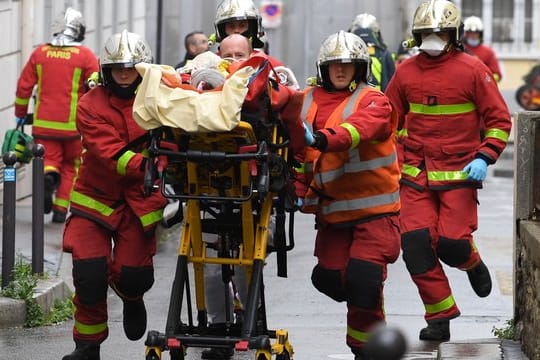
(38,189)
(8,226)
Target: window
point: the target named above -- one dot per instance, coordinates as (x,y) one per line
(471,8)
(503,20)
(528,21)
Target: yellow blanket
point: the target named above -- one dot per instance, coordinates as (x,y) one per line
(157,104)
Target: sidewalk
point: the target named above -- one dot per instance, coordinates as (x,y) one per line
(316,324)
(54,287)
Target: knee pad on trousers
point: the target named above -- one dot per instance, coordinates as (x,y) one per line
(135,281)
(328,282)
(90,279)
(363,284)
(453,252)
(418,254)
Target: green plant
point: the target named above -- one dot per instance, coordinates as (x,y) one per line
(22,287)
(506,332)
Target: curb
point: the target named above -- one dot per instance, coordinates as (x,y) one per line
(481,349)
(12,312)
(46,293)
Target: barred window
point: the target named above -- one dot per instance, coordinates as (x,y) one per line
(503,21)
(471,8)
(528,21)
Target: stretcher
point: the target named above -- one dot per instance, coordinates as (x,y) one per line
(240,176)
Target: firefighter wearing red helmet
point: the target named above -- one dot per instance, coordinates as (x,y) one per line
(110,232)
(353,184)
(444,97)
(59,69)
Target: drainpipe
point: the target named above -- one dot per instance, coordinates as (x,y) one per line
(27,29)
(159,31)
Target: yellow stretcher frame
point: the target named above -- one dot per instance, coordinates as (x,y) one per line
(247,176)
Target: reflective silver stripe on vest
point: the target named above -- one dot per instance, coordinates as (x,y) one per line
(358,204)
(355,165)
(349,108)
(311,201)
(308,99)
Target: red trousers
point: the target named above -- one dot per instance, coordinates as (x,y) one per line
(360,254)
(444,221)
(62,156)
(121,258)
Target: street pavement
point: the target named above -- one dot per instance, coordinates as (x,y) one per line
(316,324)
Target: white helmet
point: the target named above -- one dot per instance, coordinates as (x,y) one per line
(123,50)
(473,24)
(230,10)
(434,16)
(68,29)
(343,47)
(365,21)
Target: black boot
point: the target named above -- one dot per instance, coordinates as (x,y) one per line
(84,351)
(49,188)
(59,217)
(480,279)
(359,354)
(217,354)
(436,331)
(134,319)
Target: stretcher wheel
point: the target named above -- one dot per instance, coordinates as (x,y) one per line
(263,355)
(283,356)
(177,354)
(152,355)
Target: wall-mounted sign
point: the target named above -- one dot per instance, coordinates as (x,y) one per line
(271,11)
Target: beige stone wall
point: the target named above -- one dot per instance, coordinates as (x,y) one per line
(514,71)
(527,286)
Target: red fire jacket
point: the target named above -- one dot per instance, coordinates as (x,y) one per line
(112,172)
(357,177)
(443,104)
(487,55)
(60,73)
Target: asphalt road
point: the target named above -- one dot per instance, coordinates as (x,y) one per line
(316,324)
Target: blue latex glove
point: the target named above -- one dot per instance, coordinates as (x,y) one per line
(20,121)
(299,202)
(477,170)
(308,135)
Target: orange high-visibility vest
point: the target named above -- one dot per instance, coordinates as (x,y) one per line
(351,185)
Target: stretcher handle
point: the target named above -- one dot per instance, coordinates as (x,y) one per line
(150,174)
(211,156)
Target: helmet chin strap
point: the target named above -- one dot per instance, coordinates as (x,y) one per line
(125,92)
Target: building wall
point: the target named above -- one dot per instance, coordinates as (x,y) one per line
(305,23)
(26,23)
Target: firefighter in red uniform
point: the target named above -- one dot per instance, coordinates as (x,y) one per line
(59,69)
(108,205)
(444,97)
(473,41)
(241,17)
(354,184)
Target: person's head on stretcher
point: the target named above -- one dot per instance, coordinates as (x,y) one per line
(234,48)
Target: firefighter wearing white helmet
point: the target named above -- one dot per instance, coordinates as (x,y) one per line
(123,51)
(68,29)
(110,231)
(473,41)
(343,47)
(59,69)
(242,17)
(382,63)
(350,125)
(444,98)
